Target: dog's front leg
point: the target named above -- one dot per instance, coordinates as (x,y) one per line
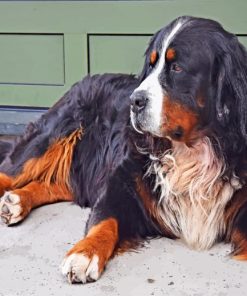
(118,222)
(87,259)
(236,221)
(239,234)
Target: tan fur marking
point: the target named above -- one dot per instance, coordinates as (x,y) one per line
(232,209)
(176,115)
(151,206)
(153,57)
(233,235)
(5,183)
(42,181)
(53,166)
(170,54)
(240,244)
(36,194)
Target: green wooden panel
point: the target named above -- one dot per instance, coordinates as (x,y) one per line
(243,40)
(75,67)
(117,54)
(75,20)
(30,95)
(115,16)
(75,54)
(31,59)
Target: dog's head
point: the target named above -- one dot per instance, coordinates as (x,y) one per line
(194,82)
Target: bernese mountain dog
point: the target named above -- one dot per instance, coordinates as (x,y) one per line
(162,154)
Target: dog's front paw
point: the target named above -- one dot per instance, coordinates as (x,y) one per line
(80,268)
(12,210)
(87,259)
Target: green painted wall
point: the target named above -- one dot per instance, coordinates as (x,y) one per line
(46,46)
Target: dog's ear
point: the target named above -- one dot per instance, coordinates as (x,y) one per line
(221,103)
(231,85)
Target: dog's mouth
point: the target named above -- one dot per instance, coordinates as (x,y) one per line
(158,145)
(135,122)
(161,140)
(143,124)
(150,143)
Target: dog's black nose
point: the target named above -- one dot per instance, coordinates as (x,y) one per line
(138,101)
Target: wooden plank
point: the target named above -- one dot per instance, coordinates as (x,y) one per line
(117,54)
(31,59)
(31,95)
(75,67)
(75,54)
(142,17)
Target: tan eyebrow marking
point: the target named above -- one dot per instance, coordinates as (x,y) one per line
(153,57)
(170,54)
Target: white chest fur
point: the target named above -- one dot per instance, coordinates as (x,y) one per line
(193,193)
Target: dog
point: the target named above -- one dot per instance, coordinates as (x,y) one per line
(161,154)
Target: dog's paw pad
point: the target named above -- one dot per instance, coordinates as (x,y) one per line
(79,268)
(11,210)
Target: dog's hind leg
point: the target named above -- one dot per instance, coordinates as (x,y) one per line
(43,180)
(15,205)
(5,183)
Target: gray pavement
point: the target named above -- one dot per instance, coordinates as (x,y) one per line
(30,255)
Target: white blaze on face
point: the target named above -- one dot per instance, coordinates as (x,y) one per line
(152,87)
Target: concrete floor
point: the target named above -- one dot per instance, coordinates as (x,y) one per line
(30,255)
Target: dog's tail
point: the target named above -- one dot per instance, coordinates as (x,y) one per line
(5,147)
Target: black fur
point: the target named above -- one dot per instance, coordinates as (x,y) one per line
(105,161)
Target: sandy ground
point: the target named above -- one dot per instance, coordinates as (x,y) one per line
(31,253)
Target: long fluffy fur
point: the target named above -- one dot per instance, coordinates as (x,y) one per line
(193,193)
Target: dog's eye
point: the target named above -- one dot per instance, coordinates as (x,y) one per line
(153,58)
(176,68)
